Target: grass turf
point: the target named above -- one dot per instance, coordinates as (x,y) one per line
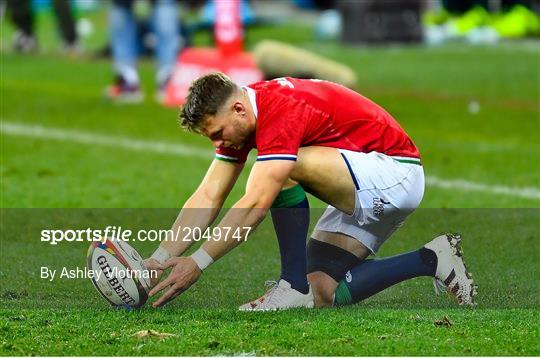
(348,331)
(405,319)
(429,93)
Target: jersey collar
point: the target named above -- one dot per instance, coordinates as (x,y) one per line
(252,99)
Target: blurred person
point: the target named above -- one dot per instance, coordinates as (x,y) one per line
(123,33)
(22,17)
(25,40)
(66,26)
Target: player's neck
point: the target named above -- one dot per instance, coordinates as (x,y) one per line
(250,113)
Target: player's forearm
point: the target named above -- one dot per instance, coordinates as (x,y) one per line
(199,212)
(235,227)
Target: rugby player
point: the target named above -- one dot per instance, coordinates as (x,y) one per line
(339,146)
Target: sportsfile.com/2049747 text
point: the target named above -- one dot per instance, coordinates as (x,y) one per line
(218,233)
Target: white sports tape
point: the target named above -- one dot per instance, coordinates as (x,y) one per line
(161,255)
(202,259)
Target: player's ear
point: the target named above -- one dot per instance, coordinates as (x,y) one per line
(239,108)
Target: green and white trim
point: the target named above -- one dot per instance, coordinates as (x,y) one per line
(226,158)
(407,160)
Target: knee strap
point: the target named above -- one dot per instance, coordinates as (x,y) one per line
(330,259)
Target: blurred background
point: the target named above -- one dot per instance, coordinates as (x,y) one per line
(90,89)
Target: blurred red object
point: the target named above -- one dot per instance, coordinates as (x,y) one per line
(228,57)
(228,29)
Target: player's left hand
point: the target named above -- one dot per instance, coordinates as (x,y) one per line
(184,273)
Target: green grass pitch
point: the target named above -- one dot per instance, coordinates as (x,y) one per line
(483,181)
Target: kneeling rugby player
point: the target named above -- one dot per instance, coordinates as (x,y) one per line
(339,146)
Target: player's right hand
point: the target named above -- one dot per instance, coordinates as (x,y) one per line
(153,265)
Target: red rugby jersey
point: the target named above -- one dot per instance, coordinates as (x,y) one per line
(293,113)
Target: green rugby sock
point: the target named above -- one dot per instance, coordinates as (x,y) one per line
(290,197)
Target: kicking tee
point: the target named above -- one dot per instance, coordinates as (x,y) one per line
(293,113)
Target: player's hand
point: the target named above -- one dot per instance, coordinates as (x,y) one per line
(153,266)
(184,273)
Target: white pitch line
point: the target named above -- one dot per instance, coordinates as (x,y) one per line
(464,185)
(74,136)
(69,135)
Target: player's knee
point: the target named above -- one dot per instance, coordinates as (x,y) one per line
(326,266)
(323,287)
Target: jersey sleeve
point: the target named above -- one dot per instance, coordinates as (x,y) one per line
(281,129)
(232,155)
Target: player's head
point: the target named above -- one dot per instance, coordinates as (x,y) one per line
(218,109)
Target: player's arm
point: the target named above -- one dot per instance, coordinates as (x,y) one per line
(200,210)
(265,182)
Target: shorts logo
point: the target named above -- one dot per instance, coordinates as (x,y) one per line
(378,206)
(348,276)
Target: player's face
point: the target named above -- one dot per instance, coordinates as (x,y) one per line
(229,128)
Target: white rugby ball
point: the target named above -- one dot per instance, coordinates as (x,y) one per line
(120,276)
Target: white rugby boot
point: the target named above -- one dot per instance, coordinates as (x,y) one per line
(451,274)
(280,296)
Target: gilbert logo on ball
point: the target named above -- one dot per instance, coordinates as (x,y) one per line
(121,277)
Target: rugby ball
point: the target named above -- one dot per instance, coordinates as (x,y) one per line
(119,274)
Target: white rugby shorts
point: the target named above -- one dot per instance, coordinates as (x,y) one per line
(388,189)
